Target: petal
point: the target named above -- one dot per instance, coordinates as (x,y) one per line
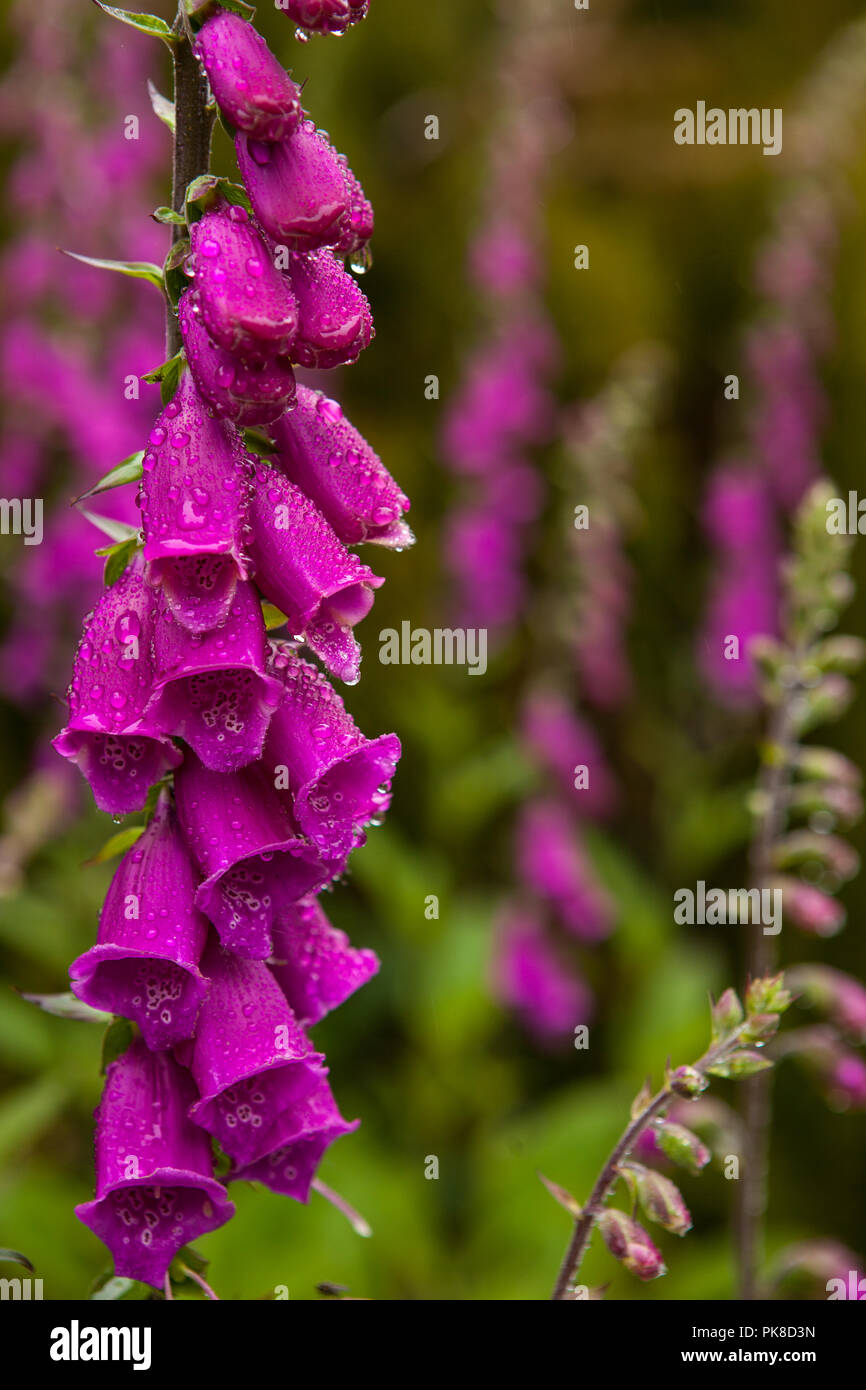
(335,324)
(315,965)
(246,304)
(251,88)
(248,388)
(297,187)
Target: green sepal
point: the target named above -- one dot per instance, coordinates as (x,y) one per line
(117,844)
(273,617)
(144,23)
(163,109)
(129,471)
(256,442)
(169,216)
(168,376)
(562,1196)
(139,270)
(115,530)
(118,1036)
(206,190)
(118,557)
(66,1006)
(200,10)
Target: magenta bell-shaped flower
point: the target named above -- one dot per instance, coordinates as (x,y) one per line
(552,864)
(334,465)
(300,565)
(290,1169)
(212,689)
(250,388)
(298,188)
(532,977)
(334,320)
(251,88)
(193,504)
(255,862)
(254,1066)
(246,304)
(155,1189)
(145,964)
(338,780)
(314,964)
(118,747)
(361,221)
(324,16)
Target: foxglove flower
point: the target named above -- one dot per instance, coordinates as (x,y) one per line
(290,1169)
(334,465)
(552,864)
(211,689)
(155,1190)
(338,779)
(253,1064)
(334,320)
(300,565)
(298,188)
(314,964)
(193,503)
(629,1243)
(530,977)
(255,863)
(569,749)
(245,303)
(118,747)
(249,389)
(145,964)
(360,223)
(325,16)
(251,88)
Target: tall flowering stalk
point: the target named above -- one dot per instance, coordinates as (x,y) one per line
(257,785)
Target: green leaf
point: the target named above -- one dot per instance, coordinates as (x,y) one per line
(562,1196)
(115,530)
(129,471)
(272,616)
(207,189)
(167,376)
(144,23)
(118,558)
(139,270)
(168,215)
(258,443)
(14,1257)
(67,1006)
(162,107)
(740,1065)
(118,1036)
(118,844)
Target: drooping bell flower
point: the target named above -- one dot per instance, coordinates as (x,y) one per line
(254,1066)
(155,1189)
(552,864)
(360,223)
(145,964)
(193,503)
(298,187)
(301,566)
(570,751)
(251,88)
(314,963)
(337,779)
(109,736)
(256,864)
(251,388)
(839,996)
(334,465)
(290,1169)
(531,977)
(212,689)
(334,320)
(325,16)
(245,303)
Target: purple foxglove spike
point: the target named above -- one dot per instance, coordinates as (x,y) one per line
(298,188)
(155,1189)
(291,1168)
(193,501)
(334,465)
(361,221)
(325,16)
(334,320)
(247,388)
(315,965)
(551,863)
(300,565)
(531,977)
(338,780)
(246,304)
(251,88)
(253,1064)
(151,936)
(212,689)
(570,750)
(118,747)
(247,845)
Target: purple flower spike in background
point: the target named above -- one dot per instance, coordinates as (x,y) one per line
(300,565)
(334,320)
(118,747)
(529,976)
(333,464)
(315,965)
(553,865)
(254,860)
(246,304)
(325,16)
(151,936)
(212,689)
(339,780)
(251,388)
(298,188)
(252,89)
(155,1189)
(193,503)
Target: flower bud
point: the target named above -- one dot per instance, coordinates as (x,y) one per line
(251,88)
(741,1064)
(298,188)
(803,847)
(324,16)
(662,1202)
(727,1013)
(767,995)
(808,908)
(682,1147)
(839,996)
(334,320)
(629,1243)
(246,304)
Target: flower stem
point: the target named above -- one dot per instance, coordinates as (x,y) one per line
(194,118)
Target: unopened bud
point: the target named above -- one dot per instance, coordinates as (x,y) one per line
(727,1013)
(740,1065)
(683,1147)
(662,1202)
(687,1082)
(629,1243)
(836,994)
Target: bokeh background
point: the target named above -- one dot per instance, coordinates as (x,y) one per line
(427,1055)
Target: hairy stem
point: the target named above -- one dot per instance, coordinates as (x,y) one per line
(194,119)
